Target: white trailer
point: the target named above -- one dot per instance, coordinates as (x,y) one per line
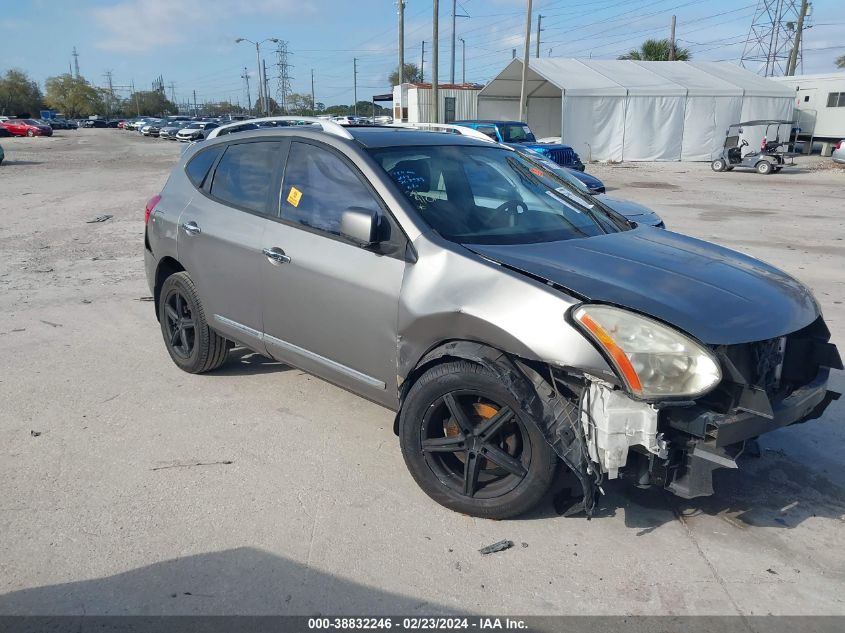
(412,102)
(820,107)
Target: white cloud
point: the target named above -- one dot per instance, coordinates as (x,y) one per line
(137,26)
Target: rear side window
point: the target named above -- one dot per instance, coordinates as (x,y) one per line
(198,168)
(319,187)
(245,174)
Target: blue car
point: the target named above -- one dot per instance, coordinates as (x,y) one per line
(516,133)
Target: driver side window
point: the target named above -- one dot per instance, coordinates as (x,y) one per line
(319,186)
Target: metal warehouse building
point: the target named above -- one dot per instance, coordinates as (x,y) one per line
(632,110)
(412,102)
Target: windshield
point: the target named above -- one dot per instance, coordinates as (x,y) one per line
(516,133)
(491,195)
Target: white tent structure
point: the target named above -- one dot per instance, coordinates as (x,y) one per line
(633,110)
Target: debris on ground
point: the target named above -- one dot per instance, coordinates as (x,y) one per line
(501,546)
(772,571)
(86,301)
(51,324)
(42,270)
(145,298)
(524,544)
(35,433)
(99,218)
(192,464)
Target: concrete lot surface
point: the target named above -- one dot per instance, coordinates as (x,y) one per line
(129,487)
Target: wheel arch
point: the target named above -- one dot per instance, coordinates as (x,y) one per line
(166,267)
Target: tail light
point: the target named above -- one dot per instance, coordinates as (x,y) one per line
(840,145)
(151,205)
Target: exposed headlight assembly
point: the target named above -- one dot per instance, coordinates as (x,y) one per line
(654,360)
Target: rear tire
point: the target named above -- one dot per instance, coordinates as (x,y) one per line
(493,463)
(764,167)
(30,133)
(718,165)
(193,346)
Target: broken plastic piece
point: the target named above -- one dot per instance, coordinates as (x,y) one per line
(496,547)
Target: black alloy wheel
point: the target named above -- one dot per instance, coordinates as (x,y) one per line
(470,446)
(180,325)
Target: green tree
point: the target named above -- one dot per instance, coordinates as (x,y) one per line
(840,61)
(657,51)
(149,103)
(19,94)
(412,75)
(299,103)
(73,96)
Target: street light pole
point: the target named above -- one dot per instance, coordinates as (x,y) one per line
(261,88)
(463,61)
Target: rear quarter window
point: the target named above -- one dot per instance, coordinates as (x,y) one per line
(197,168)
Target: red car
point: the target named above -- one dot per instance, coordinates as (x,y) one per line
(26,127)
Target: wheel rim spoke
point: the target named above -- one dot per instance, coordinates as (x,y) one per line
(472,466)
(179,304)
(184,337)
(174,336)
(171,313)
(501,458)
(444,444)
(492,426)
(187,324)
(458,414)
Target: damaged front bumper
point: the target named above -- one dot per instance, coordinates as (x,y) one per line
(766,385)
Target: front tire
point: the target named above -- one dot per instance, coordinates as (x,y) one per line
(470,446)
(193,346)
(30,133)
(718,165)
(764,167)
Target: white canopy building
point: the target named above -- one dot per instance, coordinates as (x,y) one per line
(632,110)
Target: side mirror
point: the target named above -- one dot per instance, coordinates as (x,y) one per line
(360,225)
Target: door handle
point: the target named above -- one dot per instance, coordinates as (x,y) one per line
(191,228)
(277,255)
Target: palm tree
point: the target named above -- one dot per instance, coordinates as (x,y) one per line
(840,61)
(657,51)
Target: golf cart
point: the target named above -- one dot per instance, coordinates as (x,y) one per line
(769,158)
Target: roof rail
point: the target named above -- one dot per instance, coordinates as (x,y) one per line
(329,127)
(448,127)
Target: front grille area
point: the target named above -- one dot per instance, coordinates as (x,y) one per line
(562,156)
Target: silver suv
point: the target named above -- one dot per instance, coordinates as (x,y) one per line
(512,323)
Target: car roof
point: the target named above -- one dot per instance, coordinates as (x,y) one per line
(490,122)
(387,136)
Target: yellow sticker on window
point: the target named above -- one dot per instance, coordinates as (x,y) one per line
(294,196)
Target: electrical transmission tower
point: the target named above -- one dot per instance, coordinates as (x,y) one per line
(284,79)
(172,87)
(771,36)
(75,63)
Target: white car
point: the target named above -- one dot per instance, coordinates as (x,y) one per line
(838,155)
(195,131)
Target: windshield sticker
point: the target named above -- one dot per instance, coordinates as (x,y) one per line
(538,172)
(568,194)
(294,196)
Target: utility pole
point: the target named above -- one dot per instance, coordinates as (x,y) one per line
(313,106)
(76,62)
(539,22)
(355,84)
(172,87)
(401,4)
(245,77)
(266,87)
(422,63)
(260,82)
(435,38)
(137,103)
(463,61)
(196,110)
(796,45)
(672,41)
(523,87)
(452,64)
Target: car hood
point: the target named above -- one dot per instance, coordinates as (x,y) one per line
(543,146)
(591,181)
(717,295)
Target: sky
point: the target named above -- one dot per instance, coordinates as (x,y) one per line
(191,43)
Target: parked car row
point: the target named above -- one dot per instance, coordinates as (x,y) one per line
(26,127)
